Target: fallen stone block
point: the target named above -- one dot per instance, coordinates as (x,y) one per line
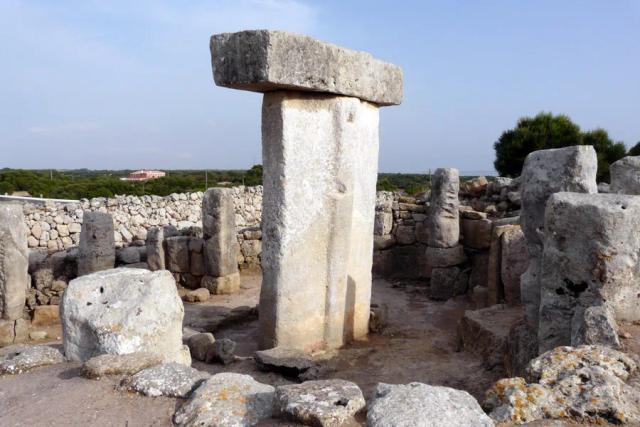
(378,318)
(22,358)
(224,351)
(223,285)
(119,364)
(286,361)
(413,404)
(263,61)
(201,346)
(169,379)
(44,315)
(485,332)
(324,403)
(123,311)
(197,295)
(226,399)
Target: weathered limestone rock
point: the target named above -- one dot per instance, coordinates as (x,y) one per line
(378,318)
(448,282)
(591,250)
(197,295)
(513,263)
(224,351)
(201,346)
(44,315)
(477,232)
(22,358)
(495,288)
(625,176)
(155,246)
(219,230)
(323,403)
(415,404)
(522,347)
(286,361)
(225,285)
(546,172)
(97,249)
(444,219)
(320,154)
(587,384)
(595,325)
(168,379)
(264,61)
(123,311)
(119,364)
(14,261)
(445,257)
(177,254)
(226,400)
(485,332)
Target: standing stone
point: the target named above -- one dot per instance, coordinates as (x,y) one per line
(444,220)
(155,244)
(513,264)
(320,155)
(495,289)
(97,249)
(219,230)
(590,257)
(14,262)
(546,172)
(625,176)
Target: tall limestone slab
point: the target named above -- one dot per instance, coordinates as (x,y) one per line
(591,257)
(546,172)
(625,175)
(97,250)
(320,151)
(14,262)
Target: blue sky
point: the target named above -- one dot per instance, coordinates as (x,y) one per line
(127,84)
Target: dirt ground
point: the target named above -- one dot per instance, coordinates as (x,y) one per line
(419,344)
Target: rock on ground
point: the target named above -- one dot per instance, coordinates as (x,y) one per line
(201,346)
(226,400)
(21,358)
(417,404)
(169,379)
(587,384)
(286,361)
(123,311)
(119,364)
(323,403)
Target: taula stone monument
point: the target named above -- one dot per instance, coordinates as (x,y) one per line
(320,155)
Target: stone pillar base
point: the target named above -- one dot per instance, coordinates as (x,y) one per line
(223,285)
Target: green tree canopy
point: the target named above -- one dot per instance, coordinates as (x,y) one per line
(546,131)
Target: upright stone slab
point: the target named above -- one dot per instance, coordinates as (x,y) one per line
(219,231)
(444,219)
(320,155)
(546,172)
(591,255)
(97,250)
(156,246)
(14,262)
(625,176)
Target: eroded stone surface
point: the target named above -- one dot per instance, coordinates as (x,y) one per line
(97,249)
(22,358)
(625,176)
(591,254)
(265,61)
(123,311)
(287,361)
(169,379)
(119,364)
(595,325)
(14,261)
(324,403)
(415,404)
(227,400)
(444,219)
(219,231)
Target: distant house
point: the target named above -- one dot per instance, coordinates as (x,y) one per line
(21,194)
(144,175)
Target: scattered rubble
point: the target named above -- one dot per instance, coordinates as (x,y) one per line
(119,364)
(22,358)
(169,379)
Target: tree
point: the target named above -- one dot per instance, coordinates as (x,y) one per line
(635,150)
(546,131)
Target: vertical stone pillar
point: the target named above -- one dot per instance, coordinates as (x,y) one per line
(320,153)
(14,262)
(625,175)
(444,252)
(546,172)
(220,242)
(155,244)
(97,250)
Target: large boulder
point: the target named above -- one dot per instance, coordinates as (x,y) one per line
(417,404)
(546,172)
(21,358)
(122,311)
(625,176)
(591,255)
(14,261)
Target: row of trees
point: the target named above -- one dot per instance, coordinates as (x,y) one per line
(554,131)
